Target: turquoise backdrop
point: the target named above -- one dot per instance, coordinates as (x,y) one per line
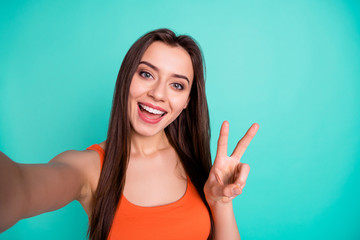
(291,66)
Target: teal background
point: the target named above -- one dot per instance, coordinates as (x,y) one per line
(291,66)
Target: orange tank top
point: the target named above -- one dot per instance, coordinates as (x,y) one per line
(187,218)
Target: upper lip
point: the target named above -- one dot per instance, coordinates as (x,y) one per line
(153,106)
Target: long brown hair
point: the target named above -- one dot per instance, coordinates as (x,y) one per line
(189,134)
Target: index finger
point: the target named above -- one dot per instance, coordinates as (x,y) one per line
(223,139)
(245,141)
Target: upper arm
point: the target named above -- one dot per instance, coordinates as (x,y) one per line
(50,186)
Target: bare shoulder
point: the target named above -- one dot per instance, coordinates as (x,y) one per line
(83,159)
(84,162)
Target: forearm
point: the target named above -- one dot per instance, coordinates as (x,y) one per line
(11,198)
(28,190)
(224,221)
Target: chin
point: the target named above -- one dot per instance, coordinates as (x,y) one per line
(146,132)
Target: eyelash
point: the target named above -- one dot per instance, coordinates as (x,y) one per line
(177,86)
(142,73)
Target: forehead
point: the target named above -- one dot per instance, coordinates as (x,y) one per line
(169,59)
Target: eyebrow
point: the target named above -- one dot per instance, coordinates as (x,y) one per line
(157,69)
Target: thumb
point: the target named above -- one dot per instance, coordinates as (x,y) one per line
(230,191)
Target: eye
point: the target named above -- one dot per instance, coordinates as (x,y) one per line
(178,86)
(145,74)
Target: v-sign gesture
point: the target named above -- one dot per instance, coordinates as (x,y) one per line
(228,175)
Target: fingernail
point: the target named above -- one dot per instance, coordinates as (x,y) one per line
(236,191)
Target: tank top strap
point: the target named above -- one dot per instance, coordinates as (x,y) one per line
(96,147)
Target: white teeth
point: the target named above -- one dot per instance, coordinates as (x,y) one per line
(151,110)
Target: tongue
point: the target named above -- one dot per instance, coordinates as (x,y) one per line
(150,115)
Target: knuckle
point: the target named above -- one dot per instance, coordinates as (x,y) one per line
(247,166)
(243,144)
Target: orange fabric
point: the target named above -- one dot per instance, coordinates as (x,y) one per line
(187,218)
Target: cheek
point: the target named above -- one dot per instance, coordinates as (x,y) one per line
(180,103)
(132,89)
(133,94)
(136,89)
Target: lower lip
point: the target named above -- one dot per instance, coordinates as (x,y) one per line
(148,120)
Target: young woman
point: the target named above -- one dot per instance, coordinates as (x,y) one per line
(152,178)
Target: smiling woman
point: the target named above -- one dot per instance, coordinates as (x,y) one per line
(160,88)
(152,178)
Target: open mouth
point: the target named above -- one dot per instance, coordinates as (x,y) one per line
(148,113)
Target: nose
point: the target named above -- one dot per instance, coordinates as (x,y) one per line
(158,91)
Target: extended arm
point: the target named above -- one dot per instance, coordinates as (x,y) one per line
(30,189)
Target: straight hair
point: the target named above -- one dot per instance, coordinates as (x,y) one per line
(188,134)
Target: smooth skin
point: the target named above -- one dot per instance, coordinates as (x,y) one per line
(226,180)
(154,175)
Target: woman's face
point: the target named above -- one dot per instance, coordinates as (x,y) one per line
(160,88)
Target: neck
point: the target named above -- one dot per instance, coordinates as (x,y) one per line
(144,145)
